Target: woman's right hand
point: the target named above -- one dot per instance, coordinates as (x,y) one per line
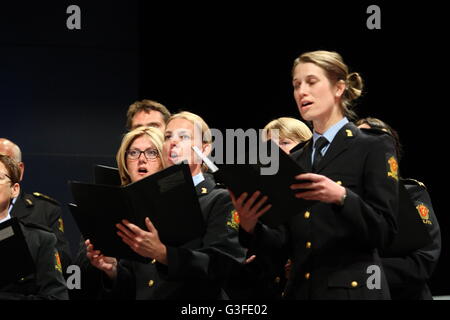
(101,262)
(248,211)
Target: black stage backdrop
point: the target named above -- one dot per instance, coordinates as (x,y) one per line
(64,93)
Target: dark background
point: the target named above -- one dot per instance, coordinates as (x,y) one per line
(64,94)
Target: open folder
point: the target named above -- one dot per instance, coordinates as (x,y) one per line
(240,178)
(106,175)
(412,233)
(167,197)
(16,261)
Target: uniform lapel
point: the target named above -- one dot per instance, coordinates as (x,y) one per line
(303,156)
(21,207)
(340,143)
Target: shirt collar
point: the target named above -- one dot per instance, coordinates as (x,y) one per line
(332,131)
(13,202)
(7,217)
(198,178)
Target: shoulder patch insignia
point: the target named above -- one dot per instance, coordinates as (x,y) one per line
(45,197)
(424,213)
(58,265)
(393,168)
(234,220)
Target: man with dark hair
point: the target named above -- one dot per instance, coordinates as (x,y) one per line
(147,113)
(37,208)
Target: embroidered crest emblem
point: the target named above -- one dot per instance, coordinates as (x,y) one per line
(424,213)
(393,168)
(234,220)
(58,265)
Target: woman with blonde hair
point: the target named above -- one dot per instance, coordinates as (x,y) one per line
(266,276)
(354,181)
(139,156)
(152,141)
(291,132)
(199,269)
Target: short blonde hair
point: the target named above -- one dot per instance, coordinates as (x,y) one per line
(155,135)
(289,128)
(197,121)
(200,124)
(336,70)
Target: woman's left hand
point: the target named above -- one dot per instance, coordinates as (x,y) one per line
(319,188)
(144,243)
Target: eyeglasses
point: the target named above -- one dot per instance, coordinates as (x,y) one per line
(135,154)
(3,177)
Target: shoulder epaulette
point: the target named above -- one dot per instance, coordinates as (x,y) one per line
(414,181)
(374,131)
(45,197)
(29,200)
(220,185)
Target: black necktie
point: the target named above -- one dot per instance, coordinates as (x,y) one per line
(321,143)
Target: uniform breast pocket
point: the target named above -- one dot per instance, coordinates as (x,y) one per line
(351,284)
(27,285)
(346,284)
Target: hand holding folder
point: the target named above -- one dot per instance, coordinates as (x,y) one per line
(240,178)
(168,198)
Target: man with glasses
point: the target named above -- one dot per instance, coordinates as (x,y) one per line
(37,208)
(47,281)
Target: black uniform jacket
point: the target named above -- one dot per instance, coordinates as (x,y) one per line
(261,279)
(408,275)
(334,248)
(47,283)
(40,209)
(196,270)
